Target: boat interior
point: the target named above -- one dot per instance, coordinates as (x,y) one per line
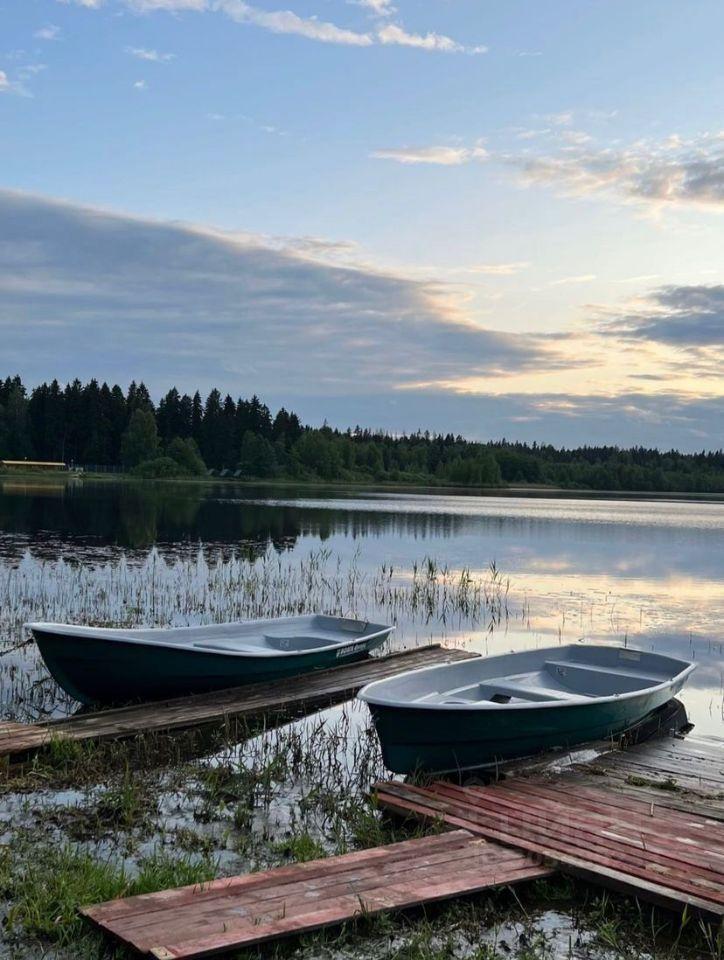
(536,677)
(260,638)
(556,681)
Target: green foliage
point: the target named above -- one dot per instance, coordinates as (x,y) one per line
(160,468)
(49,884)
(140,439)
(96,424)
(186,454)
(257,456)
(300,847)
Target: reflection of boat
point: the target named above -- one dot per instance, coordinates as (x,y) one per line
(105,665)
(473,714)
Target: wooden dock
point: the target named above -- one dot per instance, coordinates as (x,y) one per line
(648,821)
(306,692)
(239,912)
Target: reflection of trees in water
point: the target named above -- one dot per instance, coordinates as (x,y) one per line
(325,523)
(136,516)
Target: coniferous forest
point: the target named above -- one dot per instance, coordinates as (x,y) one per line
(97,426)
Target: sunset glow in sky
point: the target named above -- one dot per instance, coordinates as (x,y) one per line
(497,219)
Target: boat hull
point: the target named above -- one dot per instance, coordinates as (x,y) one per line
(95,671)
(419,740)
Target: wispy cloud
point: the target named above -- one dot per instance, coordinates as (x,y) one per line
(49,32)
(565,281)
(285,21)
(499,269)
(668,172)
(681,316)
(444,156)
(170,6)
(16,86)
(392,33)
(90,4)
(142,53)
(379,8)
(383,33)
(140,85)
(562,119)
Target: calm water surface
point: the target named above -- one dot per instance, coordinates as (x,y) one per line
(647,573)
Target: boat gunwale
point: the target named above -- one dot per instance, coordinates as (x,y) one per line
(482,706)
(123,635)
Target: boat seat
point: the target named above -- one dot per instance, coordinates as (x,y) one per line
(602,681)
(519,691)
(502,693)
(228,646)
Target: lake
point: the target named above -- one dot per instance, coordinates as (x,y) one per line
(644,573)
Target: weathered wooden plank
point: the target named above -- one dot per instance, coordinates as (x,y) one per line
(608,841)
(629,818)
(246,884)
(243,911)
(190,920)
(308,690)
(692,762)
(590,850)
(525,831)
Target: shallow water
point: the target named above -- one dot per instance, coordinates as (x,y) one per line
(490,573)
(646,573)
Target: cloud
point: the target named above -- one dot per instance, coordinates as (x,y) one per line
(380,8)
(49,32)
(140,85)
(285,21)
(680,316)
(16,86)
(565,281)
(440,155)
(562,119)
(499,269)
(669,172)
(174,302)
(666,420)
(295,320)
(288,22)
(141,53)
(90,4)
(170,6)
(391,33)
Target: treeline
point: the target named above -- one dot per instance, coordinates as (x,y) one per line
(183,435)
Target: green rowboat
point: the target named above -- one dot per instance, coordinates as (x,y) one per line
(476,713)
(103,665)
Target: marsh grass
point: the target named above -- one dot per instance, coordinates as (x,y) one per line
(54,882)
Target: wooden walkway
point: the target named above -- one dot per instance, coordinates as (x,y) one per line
(308,691)
(663,845)
(239,912)
(690,765)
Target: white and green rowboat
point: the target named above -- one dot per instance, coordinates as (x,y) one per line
(107,665)
(479,712)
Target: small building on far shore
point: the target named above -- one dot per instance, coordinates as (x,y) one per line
(44,465)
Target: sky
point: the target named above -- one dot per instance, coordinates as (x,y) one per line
(496,219)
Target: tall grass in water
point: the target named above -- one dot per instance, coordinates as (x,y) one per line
(178,592)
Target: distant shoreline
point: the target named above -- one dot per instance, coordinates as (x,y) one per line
(533,491)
